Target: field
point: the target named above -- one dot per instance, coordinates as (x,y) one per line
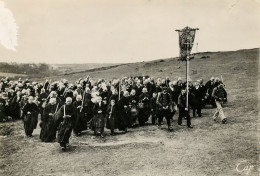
(210,148)
(11,75)
(71,68)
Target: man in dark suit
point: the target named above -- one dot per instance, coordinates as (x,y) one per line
(164,102)
(210,85)
(183,110)
(198,95)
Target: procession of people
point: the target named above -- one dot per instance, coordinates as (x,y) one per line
(116,104)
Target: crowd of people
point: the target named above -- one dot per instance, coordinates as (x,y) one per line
(116,104)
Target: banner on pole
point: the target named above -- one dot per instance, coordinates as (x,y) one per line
(186,39)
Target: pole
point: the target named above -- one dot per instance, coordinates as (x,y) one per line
(119,91)
(189,38)
(187,80)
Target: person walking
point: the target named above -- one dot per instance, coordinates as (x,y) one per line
(220,95)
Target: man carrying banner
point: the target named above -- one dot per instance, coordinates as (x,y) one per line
(183,110)
(186,40)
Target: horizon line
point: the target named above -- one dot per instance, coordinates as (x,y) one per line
(68,63)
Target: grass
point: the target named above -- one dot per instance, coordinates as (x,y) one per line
(210,148)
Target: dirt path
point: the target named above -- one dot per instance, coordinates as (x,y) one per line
(209,149)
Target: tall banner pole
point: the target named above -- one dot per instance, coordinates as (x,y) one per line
(187,82)
(119,91)
(186,39)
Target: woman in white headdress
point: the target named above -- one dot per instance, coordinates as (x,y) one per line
(94,93)
(80,121)
(65,117)
(48,127)
(98,121)
(30,112)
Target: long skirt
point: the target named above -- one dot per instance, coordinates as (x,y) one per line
(15,110)
(65,129)
(123,120)
(2,113)
(88,113)
(80,123)
(133,116)
(48,130)
(30,123)
(98,124)
(111,123)
(143,117)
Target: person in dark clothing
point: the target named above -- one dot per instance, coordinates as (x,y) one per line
(167,81)
(203,90)
(42,100)
(30,112)
(217,82)
(114,95)
(198,95)
(98,121)
(87,105)
(2,108)
(68,92)
(209,86)
(154,108)
(151,87)
(46,84)
(124,112)
(183,110)
(173,91)
(179,84)
(15,106)
(144,109)
(164,102)
(112,114)
(65,117)
(134,112)
(54,94)
(220,95)
(80,121)
(48,127)
(163,83)
(6,96)
(158,87)
(138,88)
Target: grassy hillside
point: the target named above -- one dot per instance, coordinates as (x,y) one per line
(71,68)
(210,148)
(31,70)
(204,65)
(12,75)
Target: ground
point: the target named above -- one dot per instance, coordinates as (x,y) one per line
(210,148)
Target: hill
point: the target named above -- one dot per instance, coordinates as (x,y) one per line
(204,65)
(71,68)
(210,148)
(16,70)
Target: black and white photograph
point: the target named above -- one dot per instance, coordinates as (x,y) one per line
(129,87)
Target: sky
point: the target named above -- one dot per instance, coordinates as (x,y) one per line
(116,31)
